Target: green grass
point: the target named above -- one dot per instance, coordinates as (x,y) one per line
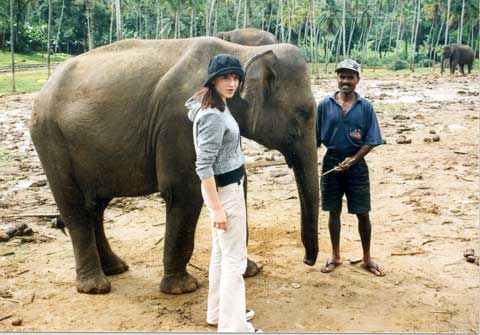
(30,58)
(381,71)
(25,81)
(5,158)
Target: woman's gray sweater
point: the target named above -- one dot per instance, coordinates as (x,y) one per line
(216,137)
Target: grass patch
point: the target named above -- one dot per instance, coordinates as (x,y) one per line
(25,81)
(5,158)
(381,71)
(30,58)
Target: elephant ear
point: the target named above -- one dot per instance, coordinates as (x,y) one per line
(258,85)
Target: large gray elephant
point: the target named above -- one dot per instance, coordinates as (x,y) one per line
(457,54)
(112,123)
(248,36)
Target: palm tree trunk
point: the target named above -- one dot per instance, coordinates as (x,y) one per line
(352,29)
(460,35)
(215,21)
(289,10)
(434,53)
(49,31)
(269,22)
(111,22)
(146,26)
(118,20)
(391,26)
(414,45)
(331,49)
(364,52)
(89,25)
(192,16)
(59,26)
(245,14)
(239,9)
(282,30)
(12,46)
(337,53)
(157,25)
(343,28)
(378,43)
(446,27)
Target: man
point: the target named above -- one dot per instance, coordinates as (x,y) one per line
(347,125)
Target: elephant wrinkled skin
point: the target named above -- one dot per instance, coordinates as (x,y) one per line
(112,123)
(248,36)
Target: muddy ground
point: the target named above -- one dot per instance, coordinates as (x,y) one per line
(425,198)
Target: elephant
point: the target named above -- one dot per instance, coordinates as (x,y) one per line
(112,123)
(457,54)
(248,36)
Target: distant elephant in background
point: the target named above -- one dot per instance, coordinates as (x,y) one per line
(457,54)
(248,36)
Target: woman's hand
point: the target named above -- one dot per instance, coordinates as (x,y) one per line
(220,219)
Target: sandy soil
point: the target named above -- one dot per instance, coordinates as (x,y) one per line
(425,213)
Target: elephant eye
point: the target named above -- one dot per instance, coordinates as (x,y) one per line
(304,114)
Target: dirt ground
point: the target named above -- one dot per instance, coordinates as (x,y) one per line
(425,198)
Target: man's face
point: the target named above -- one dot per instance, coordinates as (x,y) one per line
(347,81)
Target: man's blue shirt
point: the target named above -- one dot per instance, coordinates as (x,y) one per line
(346,133)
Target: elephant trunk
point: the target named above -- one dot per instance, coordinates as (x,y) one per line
(305,169)
(442,61)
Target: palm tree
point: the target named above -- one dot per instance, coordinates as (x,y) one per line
(118,20)
(12,43)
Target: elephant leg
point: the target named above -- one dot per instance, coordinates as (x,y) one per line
(469,68)
(74,210)
(252,268)
(183,210)
(453,65)
(110,262)
(81,226)
(462,69)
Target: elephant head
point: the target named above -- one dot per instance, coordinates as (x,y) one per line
(276,107)
(222,35)
(446,54)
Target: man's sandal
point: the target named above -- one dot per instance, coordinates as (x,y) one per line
(329,266)
(374,268)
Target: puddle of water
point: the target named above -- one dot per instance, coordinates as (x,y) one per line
(455,127)
(22,185)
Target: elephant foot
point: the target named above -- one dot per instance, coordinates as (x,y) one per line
(97,284)
(114,266)
(252,269)
(178,283)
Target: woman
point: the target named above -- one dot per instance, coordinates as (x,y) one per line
(220,166)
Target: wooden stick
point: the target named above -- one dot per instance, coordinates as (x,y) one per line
(331,170)
(46,215)
(408,253)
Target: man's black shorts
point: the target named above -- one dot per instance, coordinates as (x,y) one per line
(354,183)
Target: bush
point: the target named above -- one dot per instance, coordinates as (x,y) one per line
(399,65)
(426,63)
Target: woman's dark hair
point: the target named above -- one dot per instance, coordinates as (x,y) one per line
(209,98)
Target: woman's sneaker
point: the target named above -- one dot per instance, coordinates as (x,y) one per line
(250,313)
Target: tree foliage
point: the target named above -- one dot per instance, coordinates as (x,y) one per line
(377,32)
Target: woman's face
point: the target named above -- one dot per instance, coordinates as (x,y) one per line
(226,85)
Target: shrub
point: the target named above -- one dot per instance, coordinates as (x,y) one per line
(399,65)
